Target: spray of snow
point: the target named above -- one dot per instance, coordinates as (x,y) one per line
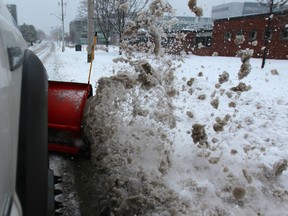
(151,168)
(161,146)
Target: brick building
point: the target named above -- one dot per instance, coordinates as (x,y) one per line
(253,29)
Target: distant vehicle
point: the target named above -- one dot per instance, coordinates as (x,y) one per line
(23,126)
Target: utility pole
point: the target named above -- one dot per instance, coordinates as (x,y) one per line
(271,4)
(91,30)
(62,19)
(267,33)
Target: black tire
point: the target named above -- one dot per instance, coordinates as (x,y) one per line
(32,164)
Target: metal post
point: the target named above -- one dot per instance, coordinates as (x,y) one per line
(62,19)
(267,33)
(90,36)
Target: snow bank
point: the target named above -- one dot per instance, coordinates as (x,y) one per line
(142,139)
(141,131)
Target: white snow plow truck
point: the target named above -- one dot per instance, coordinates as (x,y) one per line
(25,178)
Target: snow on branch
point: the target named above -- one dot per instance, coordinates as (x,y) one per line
(148,20)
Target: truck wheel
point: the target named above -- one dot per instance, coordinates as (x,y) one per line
(32,164)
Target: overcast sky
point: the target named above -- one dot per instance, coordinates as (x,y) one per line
(38,12)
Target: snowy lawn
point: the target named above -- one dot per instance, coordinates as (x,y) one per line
(239,166)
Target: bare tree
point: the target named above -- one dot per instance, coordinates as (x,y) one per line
(82,11)
(151,21)
(125,10)
(272,5)
(102,16)
(41,34)
(55,34)
(103,10)
(111,15)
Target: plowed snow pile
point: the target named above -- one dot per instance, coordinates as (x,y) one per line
(203,136)
(173,140)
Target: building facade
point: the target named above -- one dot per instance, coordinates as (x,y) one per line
(253,29)
(78,28)
(185,23)
(78,31)
(236,9)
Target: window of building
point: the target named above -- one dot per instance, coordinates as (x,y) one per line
(221,9)
(284,33)
(241,32)
(253,35)
(227,36)
(204,41)
(268,34)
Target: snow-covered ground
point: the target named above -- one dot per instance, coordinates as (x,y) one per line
(148,150)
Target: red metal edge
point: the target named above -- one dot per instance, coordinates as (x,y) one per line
(63,149)
(64,127)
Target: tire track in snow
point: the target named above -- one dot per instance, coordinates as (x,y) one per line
(44,50)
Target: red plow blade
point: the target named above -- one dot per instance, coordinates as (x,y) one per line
(66,103)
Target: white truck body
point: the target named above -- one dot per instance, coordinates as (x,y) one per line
(10,93)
